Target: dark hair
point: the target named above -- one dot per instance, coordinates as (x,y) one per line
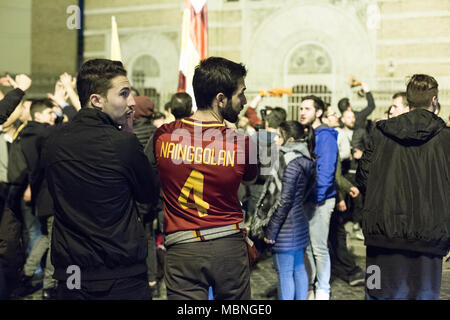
(181,105)
(300,132)
(420,90)
(39,105)
(158,115)
(215,75)
(275,117)
(95,77)
(167,106)
(403,95)
(318,103)
(343,105)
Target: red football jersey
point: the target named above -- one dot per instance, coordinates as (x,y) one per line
(201,165)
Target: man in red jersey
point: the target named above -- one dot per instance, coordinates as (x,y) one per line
(201,164)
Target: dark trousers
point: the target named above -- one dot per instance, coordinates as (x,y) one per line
(343,263)
(191,268)
(132,288)
(403,275)
(151,256)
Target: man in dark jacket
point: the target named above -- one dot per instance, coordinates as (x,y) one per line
(96,171)
(7,105)
(360,116)
(405,176)
(31,140)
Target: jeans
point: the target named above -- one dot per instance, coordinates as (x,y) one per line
(318,257)
(292,276)
(41,245)
(31,229)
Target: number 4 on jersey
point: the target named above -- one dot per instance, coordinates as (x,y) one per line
(194,182)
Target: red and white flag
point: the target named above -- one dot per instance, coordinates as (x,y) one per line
(194,43)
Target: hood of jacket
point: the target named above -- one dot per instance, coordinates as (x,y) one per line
(324,130)
(415,127)
(293,149)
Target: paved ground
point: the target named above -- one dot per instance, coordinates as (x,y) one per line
(264,279)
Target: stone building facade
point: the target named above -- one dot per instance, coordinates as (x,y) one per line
(312,46)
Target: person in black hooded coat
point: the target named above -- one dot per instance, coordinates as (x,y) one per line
(405,174)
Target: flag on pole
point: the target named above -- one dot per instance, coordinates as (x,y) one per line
(194,43)
(115,53)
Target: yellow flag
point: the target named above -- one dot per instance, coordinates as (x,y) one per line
(115,45)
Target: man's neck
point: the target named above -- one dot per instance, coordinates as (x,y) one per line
(207,115)
(348,129)
(316,123)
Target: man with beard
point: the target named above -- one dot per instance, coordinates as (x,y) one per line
(201,164)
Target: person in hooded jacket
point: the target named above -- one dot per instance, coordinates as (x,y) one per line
(404,175)
(288,228)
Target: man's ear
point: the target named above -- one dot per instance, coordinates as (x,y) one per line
(221,100)
(96,100)
(319,113)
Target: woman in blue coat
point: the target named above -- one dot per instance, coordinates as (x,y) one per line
(288,228)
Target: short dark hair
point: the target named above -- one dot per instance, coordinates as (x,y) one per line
(420,90)
(318,103)
(39,105)
(215,75)
(95,77)
(343,105)
(181,105)
(299,132)
(158,115)
(276,116)
(403,95)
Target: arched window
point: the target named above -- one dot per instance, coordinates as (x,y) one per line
(310,68)
(145,77)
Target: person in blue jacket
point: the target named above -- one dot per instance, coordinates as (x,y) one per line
(288,228)
(322,200)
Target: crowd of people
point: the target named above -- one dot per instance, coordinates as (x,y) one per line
(94,177)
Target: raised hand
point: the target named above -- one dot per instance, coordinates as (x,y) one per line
(66,80)
(60,95)
(365,87)
(22,81)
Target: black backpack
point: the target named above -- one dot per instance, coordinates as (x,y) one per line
(267,203)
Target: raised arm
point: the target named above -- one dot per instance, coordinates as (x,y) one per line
(12,99)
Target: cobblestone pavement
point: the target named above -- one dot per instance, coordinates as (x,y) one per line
(264,279)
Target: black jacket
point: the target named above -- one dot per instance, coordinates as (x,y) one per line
(405,176)
(361,116)
(95,174)
(9,103)
(33,137)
